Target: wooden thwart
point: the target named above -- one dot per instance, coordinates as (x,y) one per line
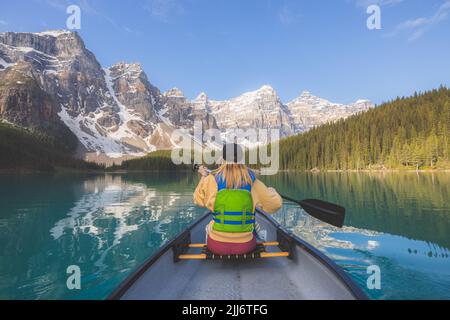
(270,244)
(185,250)
(203,256)
(265,244)
(197,245)
(274,254)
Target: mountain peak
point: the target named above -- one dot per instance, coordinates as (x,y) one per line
(56,33)
(305,93)
(130,71)
(267,88)
(202,97)
(128,66)
(57,43)
(264,90)
(308,97)
(174,93)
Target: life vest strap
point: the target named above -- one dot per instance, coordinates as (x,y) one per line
(229,213)
(234,222)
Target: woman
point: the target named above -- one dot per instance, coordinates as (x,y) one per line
(232,193)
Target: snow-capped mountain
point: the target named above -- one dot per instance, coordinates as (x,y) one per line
(113,111)
(258,109)
(309,111)
(50,81)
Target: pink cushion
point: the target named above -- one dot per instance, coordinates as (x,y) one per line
(226,248)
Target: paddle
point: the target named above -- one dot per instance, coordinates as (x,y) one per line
(322,210)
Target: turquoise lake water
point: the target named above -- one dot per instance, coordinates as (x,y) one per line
(109,224)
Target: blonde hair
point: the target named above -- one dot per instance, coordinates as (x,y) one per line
(236,175)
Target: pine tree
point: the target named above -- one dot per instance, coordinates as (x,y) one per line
(404,133)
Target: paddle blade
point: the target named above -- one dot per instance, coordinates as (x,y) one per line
(324,211)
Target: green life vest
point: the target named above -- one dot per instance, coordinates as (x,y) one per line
(233,208)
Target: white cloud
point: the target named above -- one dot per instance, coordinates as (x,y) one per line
(288,15)
(86,6)
(416,28)
(366,3)
(63,4)
(132,31)
(54,4)
(3,22)
(416,34)
(414,23)
(164,10)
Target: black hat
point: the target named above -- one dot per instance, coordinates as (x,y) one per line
(232,152)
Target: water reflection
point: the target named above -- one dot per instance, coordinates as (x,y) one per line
(411,269)
(321,235)
(405,203)
(111,224)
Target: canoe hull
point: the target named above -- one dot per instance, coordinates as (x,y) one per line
(308,275)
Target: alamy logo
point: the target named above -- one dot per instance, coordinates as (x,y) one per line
(73,22)
(205,146)
(374,20)
(74,280)
(374,280)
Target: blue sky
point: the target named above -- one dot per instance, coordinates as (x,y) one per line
(227,47)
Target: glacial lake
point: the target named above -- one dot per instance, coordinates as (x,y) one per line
(109,224)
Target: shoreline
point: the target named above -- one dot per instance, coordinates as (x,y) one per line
(383,170)
(123,171)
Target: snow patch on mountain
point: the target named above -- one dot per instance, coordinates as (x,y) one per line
(124,114)
(91,140)
(161,116)
(54,33)
(5,65)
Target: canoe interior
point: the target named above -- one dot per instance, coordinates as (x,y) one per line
(306,276)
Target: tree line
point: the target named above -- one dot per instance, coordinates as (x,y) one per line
(28,149)
(406,133)
(410,133)
(155,161)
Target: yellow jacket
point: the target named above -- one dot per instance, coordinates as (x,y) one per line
(264,198)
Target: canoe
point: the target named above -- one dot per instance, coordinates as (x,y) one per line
(285,268)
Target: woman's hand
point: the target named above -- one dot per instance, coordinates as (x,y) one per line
(272,190)
(203,171)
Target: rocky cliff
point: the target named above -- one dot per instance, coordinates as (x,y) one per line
(50,81)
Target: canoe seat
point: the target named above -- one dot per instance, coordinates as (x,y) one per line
(259,252)
(183,245)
